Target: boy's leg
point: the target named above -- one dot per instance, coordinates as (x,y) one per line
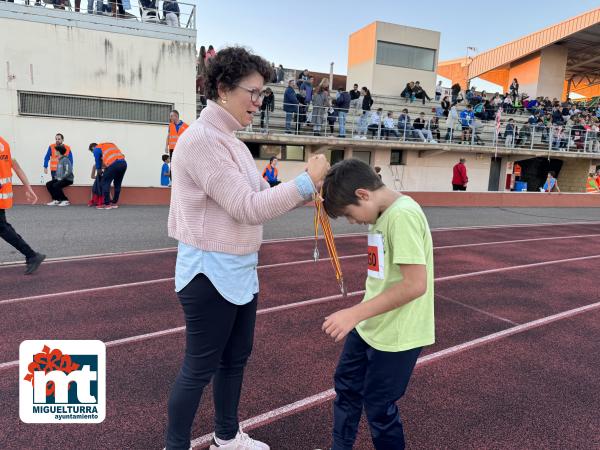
(107,178)
(49,188)
(386,380)
(349,380)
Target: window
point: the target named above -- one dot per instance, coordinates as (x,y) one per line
(336,156)
(292,152)
(282,152)
(363,156)
(397,158)
(93,108)
(389,54)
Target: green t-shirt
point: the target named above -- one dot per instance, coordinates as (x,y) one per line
(401,235)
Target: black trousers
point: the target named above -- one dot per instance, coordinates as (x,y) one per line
(219,337)
(458,187)
(55,188)
(8,233)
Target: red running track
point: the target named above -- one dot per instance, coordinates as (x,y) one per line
(136,416)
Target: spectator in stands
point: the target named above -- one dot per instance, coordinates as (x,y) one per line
(280,74)
(332,115)
(405,127)
(419,92)
(201,70)
(271,174)
(471,96)
(64,178)
(389,127)
(557,117)
(509,133)
(290,105)
(507,104)
(451,122)
(459,176)
(438,91)
(551,183)
(343,100)
(320,104)
(445,104)
(422,129)
(407,93)
(355,98)
(467,117)
(456,89)
(367,101)
(434,127)
(170,10)
(375,123)
(303,76)
(267,107)
(211,53)
(307,87)
(514,90)
(362,124)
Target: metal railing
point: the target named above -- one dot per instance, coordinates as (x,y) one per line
(322,121)
(147,11)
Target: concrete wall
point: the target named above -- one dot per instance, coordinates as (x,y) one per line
(47,57)
(553,64)
(388,80)
(573,175)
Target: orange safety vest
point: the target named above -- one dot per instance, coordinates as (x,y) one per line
(591,185)
(6,192)
(54,156)
(110,153)
(174,134)
(517,170)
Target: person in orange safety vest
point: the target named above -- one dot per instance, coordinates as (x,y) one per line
(111,161)
(591,187)
(33,259)
(176,129)
(52,156)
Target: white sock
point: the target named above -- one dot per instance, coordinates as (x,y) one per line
(222,441)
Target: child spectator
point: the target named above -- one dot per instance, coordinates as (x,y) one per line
(165,171)
(509,134)
(386,332)
(64,178)
(375,123)
(270,174)
(551,183)
(388,126)
(97,197)
(332,115)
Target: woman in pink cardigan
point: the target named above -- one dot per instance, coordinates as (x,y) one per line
(219,202)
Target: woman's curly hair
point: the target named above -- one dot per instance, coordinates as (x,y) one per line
(229,66)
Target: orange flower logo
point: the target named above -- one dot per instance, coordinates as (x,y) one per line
(49,360)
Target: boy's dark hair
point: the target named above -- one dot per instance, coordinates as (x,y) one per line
(272,158)
(342,181)
(165,157)
(92,146)
(61,149)
(175,111)
(229,66)
(552,173)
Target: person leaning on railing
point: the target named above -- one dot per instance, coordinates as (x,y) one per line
(290,105)
(170,10)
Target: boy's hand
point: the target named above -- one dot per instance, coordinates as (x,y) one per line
(31,195)
(340,323)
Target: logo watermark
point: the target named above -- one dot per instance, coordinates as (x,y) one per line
(62,381)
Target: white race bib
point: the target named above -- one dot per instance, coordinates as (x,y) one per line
(375,252)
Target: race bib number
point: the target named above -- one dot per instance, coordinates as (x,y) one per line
(375,252)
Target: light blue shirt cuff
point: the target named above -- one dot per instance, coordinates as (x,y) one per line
(305,186)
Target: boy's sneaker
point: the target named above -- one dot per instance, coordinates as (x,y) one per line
(33,263)
(113,206)
(64,203)
(103,207)
(241,442)
(53,203)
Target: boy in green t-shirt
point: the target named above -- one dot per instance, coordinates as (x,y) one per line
(387,330)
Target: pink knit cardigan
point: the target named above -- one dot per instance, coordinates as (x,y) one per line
(219,201)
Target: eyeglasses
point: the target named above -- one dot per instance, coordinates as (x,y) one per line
(255,94)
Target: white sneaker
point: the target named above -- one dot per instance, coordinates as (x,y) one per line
(433,141)
(64,203)
(53,203)
(241,442)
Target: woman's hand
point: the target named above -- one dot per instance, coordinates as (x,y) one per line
(317,168)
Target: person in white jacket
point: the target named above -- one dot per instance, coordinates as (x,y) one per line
(451,121)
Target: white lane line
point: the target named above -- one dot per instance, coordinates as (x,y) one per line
(487,313)
(94,256)
(289,263)
(326,299)
(169,331)
(322,397)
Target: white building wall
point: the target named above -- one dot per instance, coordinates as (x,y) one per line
(53,58)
